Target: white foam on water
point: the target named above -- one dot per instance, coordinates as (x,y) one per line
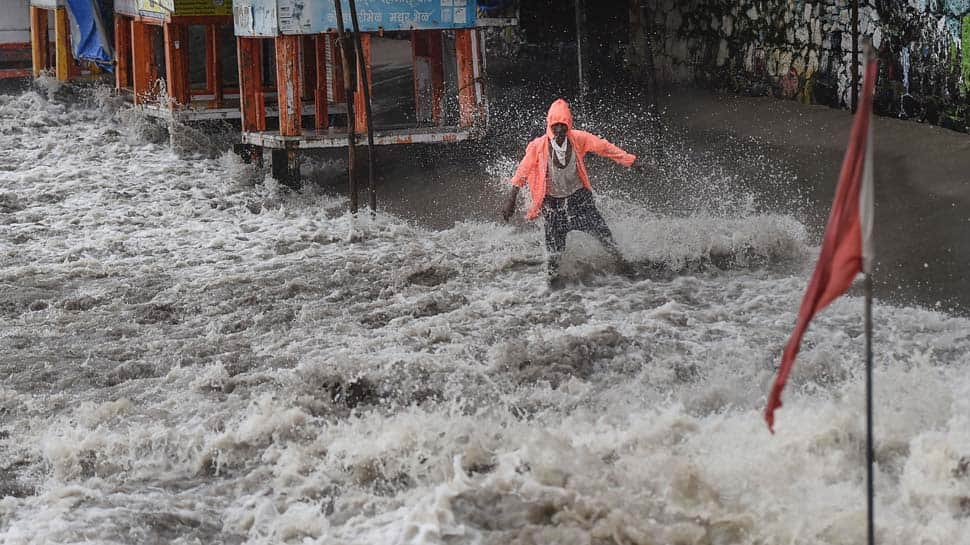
(193,355)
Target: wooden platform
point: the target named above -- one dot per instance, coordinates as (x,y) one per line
(336,138)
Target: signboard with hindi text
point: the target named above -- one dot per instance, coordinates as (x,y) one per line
(316,16)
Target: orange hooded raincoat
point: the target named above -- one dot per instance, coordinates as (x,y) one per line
(534,168)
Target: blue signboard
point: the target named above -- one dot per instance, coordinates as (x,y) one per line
(316,16)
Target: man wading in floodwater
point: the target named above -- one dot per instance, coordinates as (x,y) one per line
(560,187)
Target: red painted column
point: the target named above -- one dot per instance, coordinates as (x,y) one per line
(253,108)
(288,87)
(122,52)
(466,77)
(360,112)
(142,59)
(177,64)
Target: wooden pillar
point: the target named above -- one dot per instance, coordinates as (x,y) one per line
(122,52)
(360,112)
(142,59)
(429,74)
(62,45)
(249,53)
(466,77)
(321,107)
(213,64)
(288,88)
(177,64)
(39,43)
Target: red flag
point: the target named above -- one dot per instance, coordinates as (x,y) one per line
(846,247)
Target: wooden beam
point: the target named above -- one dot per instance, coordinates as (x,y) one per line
(38,39)
(360,107)
(249,52)
(466,77)
(62,45)
(321,107)
(288,87)
(142,61)
(122,52)
(177,64)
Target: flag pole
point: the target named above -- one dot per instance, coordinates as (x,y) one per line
(870,493)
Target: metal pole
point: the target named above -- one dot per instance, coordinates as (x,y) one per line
(362,68)
(345,49)
(870,490)
(579,52)
(855,55)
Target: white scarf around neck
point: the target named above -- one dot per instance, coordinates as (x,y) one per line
(560,150)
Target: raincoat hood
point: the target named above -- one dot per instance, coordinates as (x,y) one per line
(559,112)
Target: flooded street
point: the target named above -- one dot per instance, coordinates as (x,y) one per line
(191,355)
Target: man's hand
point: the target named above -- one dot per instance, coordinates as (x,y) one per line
(509,207)
(642,166)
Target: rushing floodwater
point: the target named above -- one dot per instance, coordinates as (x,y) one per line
(190,355)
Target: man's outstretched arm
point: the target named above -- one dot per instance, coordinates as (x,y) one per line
(605,148)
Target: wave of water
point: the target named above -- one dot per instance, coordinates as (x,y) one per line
(191,355)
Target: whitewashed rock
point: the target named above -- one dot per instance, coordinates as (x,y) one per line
(877,38)
(785,62)
(812,64)
(722,52)
(728,24)
(802,35)
(798,64)
(752,12)
(715,23)
(807,14)
(816,32)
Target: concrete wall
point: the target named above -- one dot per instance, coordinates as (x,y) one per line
(14,21)
(801,49)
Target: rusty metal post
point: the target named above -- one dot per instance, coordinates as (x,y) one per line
(346,48)
(363,67)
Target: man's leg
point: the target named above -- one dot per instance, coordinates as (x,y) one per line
(587,218)
(557,227)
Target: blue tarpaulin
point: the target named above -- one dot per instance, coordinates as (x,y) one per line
(89,39)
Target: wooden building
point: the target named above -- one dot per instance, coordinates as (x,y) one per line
(289,63)
(177,58)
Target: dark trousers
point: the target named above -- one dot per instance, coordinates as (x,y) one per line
(576,212)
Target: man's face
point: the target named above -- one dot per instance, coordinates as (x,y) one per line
(559,131)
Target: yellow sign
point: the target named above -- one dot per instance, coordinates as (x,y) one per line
(202,7)
(155,7)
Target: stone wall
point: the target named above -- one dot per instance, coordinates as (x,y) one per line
(801,49)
